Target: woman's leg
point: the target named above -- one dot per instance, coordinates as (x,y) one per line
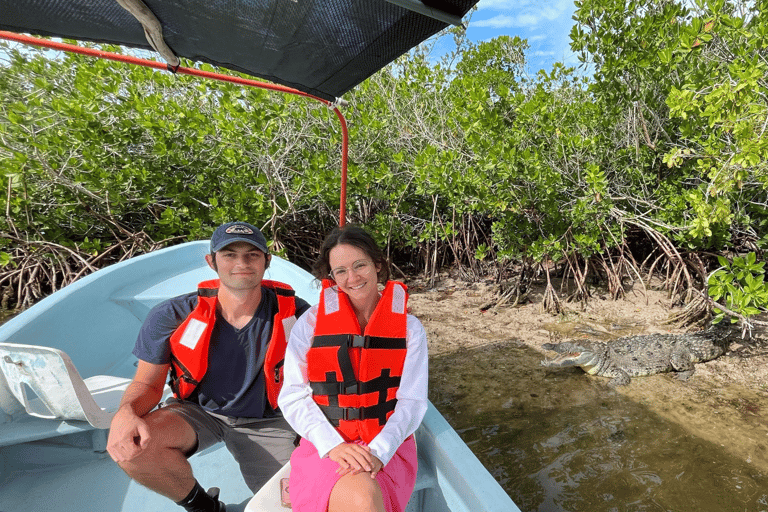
(358,493)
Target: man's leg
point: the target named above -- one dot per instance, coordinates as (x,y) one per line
(176,432)
(162,466)
(261,448)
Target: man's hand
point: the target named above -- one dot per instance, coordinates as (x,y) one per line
(354,458)
(128,435)
(128,432)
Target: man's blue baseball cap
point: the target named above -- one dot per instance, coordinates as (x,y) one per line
(238,232)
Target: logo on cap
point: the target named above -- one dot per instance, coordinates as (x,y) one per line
(239,229)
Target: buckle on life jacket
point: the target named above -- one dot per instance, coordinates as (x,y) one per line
(335,414)
(353,413)
(356,388)
(175,377)
(277,369)
(334,388)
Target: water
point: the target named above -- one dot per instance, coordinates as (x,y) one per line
(563,441)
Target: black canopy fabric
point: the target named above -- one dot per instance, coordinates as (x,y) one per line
(321,47)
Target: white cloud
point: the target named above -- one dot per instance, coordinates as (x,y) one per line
(521,14)
(501,5)
(504,21)
(512,6)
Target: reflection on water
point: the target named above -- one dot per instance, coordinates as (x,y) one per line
(560,440)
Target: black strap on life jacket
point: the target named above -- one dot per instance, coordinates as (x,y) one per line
(378,411)
(175,378)
(345,363)
(207,292)
(358,341)
(282,291)
(332,388)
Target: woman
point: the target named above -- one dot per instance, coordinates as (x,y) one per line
(355,384)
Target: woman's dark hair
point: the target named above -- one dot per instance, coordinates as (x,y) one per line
(356,237)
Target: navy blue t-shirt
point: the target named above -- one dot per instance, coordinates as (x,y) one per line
(234,382)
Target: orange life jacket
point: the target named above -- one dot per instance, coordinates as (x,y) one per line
(354,376)
(190,341)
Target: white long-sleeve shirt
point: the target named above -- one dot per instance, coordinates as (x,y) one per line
(305,416)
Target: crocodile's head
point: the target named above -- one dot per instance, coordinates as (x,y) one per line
(572,359)
(576,356)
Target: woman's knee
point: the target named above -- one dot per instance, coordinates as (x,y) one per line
(356,492)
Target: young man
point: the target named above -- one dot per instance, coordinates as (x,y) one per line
(224,346)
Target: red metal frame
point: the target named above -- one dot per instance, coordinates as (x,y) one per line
(92,52)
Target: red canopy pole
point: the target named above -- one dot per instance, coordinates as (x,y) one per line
(92,52)
(344,152)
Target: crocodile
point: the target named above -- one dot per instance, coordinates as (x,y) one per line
(641,355)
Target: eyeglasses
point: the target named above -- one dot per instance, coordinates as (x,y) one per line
(360,267)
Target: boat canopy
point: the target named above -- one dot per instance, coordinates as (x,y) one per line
(320,47)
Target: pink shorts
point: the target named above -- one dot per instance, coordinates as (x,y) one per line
(313,478)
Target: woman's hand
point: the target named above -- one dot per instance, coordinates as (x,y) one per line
(377,465)
(354,458)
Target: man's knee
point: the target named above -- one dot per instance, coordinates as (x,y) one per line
(170,430)
(169,436)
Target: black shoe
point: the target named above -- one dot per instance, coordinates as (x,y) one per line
(213,492)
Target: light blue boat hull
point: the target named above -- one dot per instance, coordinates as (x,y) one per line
(61,465)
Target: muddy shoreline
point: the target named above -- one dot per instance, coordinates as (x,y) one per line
(725,402)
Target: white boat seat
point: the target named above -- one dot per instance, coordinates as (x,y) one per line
(267,499)
(60,391)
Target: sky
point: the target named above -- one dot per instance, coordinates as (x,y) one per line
(546,24)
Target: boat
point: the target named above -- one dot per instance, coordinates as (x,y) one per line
(65,362)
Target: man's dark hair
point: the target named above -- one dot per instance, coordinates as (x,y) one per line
(356,237)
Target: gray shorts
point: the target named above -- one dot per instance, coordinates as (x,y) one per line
(261,446)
